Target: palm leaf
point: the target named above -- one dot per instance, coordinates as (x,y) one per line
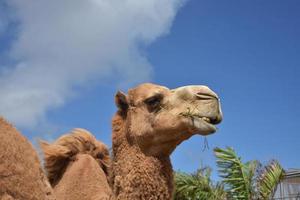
(237,176)
(197,186)
(269,179)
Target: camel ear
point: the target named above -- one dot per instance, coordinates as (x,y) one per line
(121,101)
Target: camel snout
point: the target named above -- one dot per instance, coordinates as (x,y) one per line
(207,96)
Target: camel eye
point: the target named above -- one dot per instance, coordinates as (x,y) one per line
(154,101)
(100,155)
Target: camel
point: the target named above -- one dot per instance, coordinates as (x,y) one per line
(151,121)
(21,175)
(77,166)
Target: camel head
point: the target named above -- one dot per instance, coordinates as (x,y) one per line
(157,119)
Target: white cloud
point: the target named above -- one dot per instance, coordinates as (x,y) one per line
(66,43)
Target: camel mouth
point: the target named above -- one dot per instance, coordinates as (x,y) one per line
(204,125)
(209,122)
(207,119)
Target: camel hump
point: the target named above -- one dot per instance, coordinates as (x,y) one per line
(59,154)
(85,179)
(21,175)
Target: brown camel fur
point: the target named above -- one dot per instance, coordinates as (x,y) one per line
(151,121)
(77,166)
(21,175)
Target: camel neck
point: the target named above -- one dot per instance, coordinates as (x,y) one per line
(134,175)
(138,176)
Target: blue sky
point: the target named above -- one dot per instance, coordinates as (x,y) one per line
(247,51)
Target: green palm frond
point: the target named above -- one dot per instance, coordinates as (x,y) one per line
(219,192)
(237,176)
(241,181)
(250,171)
(197,186)
(269,179)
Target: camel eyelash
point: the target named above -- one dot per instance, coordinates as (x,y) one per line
(154,100)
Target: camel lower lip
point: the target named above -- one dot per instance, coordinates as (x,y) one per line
(211,125)
(199,123)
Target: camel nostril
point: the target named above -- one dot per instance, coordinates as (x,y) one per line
(205,96)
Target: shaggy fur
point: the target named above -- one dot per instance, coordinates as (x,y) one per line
(83,180)
(77,166)
(135,175)
(58,155)
(21,176)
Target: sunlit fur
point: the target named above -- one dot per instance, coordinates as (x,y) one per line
(59,154)
(21,174)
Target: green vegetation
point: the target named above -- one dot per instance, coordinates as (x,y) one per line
(269,179)
(198,186)
(240,181)
(237,176)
